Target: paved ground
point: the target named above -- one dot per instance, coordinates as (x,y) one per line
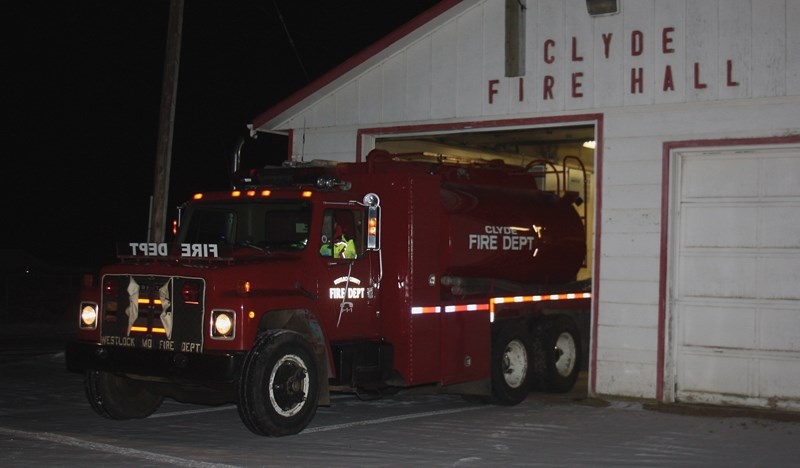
(45,421)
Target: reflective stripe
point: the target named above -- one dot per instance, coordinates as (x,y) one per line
(551,297)
(466,307)
(490,306)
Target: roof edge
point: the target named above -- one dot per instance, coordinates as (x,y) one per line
(352,62)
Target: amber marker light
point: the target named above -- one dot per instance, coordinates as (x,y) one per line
(251,193)
(197,196)
(244,287)
(266,193)
(88,280)
(307,194)
(148,301)
(236,193)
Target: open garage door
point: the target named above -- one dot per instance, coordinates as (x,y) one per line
(565,156)
(735,272)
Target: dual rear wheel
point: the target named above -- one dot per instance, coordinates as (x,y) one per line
(546,357)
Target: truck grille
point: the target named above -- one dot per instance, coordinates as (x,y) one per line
(153,312)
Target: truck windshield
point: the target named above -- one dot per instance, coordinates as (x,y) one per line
(271,225)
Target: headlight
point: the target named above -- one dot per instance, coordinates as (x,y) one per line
(88,315)
(223,324)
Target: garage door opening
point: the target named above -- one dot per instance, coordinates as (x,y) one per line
(565,157)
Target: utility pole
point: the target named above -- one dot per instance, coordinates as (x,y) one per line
(158,210)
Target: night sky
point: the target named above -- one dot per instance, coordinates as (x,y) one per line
(84,94)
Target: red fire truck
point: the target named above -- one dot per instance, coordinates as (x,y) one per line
(396,272)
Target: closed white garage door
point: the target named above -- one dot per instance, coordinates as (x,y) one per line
(736,277)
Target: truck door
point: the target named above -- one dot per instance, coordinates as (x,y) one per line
(348,295)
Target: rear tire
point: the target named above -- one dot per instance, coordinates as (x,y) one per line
(116,397)
(511,350)
(558,354)
(279,385)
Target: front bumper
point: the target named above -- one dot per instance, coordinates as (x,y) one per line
(160,365)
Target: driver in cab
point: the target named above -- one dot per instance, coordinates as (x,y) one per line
(342,246)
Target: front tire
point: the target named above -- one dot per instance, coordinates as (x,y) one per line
(116,397)
(279,385)
(511,349)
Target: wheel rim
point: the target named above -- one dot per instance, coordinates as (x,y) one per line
(288,385)
(515,364)
(565,353)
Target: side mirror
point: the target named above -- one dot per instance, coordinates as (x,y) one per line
(373,204)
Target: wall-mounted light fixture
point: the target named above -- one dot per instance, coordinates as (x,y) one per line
(602,7)
(591,144)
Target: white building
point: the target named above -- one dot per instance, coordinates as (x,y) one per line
(694,184)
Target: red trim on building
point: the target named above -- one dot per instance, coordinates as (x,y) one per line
(667,149)
(598,208)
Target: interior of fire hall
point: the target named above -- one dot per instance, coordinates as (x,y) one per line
(563,156)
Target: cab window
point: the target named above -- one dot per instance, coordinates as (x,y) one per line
(272,225)
(341,233)
(210,226)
